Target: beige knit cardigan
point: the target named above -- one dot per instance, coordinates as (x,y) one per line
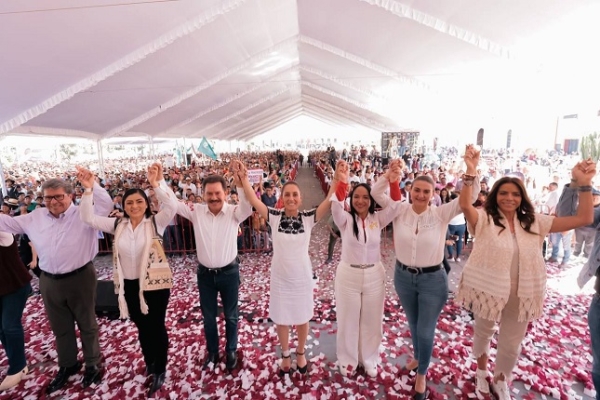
(484,287)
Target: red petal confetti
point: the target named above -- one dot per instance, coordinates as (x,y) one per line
(555,360)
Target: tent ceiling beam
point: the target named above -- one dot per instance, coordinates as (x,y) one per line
(404,11)
(190,26)
(194,91)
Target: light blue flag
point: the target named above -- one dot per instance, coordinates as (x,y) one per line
(205,148)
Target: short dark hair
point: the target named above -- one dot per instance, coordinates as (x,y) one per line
(214,179)
(57,184)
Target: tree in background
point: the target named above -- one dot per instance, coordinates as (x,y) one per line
(590,146)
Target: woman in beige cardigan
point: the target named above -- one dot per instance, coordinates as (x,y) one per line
(505,277)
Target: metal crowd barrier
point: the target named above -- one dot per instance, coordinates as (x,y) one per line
(179,238)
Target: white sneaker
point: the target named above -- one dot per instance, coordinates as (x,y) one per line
(481,381)
(345,370)
(501,389)
(372,372)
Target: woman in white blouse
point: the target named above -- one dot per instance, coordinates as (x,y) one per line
(147,309)
(360,275)
(419,277)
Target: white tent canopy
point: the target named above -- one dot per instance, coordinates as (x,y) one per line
(234,69)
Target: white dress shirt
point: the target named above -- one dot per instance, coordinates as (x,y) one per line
(216,235)
(367,248)
(419,239)
(132,242)
(6,239)
(63,244)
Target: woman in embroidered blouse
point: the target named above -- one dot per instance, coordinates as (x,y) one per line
(291,284)
(419,277)
(504,278)
(360,275)
(133,237)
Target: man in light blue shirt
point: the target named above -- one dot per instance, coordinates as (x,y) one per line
(66,247)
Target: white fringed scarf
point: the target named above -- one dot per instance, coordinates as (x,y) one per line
(118,270)
(485,283)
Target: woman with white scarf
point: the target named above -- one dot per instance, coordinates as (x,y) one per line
(504,278)
(134,235)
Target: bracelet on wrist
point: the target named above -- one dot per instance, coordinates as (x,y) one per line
(468,178)
(88,190)
(587,188)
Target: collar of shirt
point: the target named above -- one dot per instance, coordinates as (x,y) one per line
(69,211)
(222,212)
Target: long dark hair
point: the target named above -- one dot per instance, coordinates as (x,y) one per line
(525,212)
(353,210)
(445,198)
(129,192)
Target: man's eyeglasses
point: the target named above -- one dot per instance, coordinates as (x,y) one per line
(58,197)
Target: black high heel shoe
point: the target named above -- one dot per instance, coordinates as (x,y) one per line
(421,396)
(157,382)
(284,371)
(303,370)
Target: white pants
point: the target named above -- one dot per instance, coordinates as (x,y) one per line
(511,334)
(359,296)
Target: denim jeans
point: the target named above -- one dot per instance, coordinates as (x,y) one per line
(458,230)
(226,284)
(594,324)
(11,328)
(422,297)
(565,239)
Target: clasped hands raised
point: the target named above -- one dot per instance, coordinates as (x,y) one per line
(583,172)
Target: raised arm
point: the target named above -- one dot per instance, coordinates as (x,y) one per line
(582,175)
(103,203)
(471,159)
(86,207)
(340,216)
(164,195)
(390,179)
(241,180)
(244,209)
(325,205)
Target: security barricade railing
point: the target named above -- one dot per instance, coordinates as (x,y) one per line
(179,238)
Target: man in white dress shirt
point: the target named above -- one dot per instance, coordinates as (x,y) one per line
(215,230)
(66,247)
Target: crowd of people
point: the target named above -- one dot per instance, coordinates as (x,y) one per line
(429,207)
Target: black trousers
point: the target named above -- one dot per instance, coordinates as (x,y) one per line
(331,246)
(151,327)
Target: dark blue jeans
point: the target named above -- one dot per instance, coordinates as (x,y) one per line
(227,284)
(11,328)
(594,324)
(458,230)
(422,297)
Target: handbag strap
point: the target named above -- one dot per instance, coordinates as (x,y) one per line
(155,228)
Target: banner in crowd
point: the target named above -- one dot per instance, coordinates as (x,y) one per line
(205,148)
(254,175)
(395,144)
